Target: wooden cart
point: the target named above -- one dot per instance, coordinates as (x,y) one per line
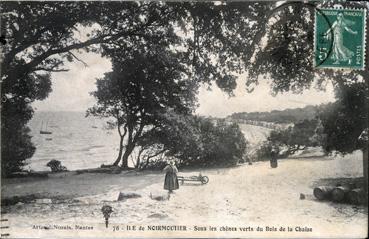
(200,178)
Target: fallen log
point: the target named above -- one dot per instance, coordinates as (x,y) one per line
(339,194)
(323,192)
(356,196)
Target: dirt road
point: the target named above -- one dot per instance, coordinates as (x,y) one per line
(244,196)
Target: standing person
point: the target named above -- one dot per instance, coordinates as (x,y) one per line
(273,157)
(171,180)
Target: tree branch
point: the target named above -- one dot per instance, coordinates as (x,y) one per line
(78,59)
(138,133)
(50,70)
(98,40)
(156,154)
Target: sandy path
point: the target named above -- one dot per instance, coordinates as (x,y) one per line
(247,195)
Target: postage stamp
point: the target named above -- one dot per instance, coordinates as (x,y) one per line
(340,38)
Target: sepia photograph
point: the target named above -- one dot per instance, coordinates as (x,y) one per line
(184,119)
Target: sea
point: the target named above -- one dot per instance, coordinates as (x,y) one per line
(77,141)
(81,142)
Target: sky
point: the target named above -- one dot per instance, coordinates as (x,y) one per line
(71,92)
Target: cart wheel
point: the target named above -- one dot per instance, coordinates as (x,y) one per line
(204,180)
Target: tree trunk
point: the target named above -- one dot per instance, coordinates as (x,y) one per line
(120,152)
(357,196)
(126,154)
(339,193)
(138,161)
(323,192)
(147,163)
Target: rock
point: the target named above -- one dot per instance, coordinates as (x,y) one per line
(158,215)
(165,197)
(44,201)
(116,170)
(302,196)
(74,200)
(106,166)
(123,196)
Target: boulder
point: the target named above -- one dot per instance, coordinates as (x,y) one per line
(123,196)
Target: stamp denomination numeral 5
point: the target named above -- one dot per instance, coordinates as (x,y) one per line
(323,53)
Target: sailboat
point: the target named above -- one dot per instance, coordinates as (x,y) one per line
(44,131)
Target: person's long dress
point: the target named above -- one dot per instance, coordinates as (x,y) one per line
(273,160)
(171,180)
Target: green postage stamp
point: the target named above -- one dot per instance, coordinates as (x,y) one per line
(340,38)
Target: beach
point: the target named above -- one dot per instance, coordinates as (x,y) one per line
(247,195)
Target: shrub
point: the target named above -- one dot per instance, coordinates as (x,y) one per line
(216,144)
(306,133)
(56,166)
(197,141)
(263,152)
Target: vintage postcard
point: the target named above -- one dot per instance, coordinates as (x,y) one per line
(184,119)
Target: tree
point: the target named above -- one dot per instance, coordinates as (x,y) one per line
(41,36)
(287,58)
(198,141)
(305,133)
(194,53)
(287,54)
(176,137)
(138,91)
(218,41)
(227,145)
(344,120)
